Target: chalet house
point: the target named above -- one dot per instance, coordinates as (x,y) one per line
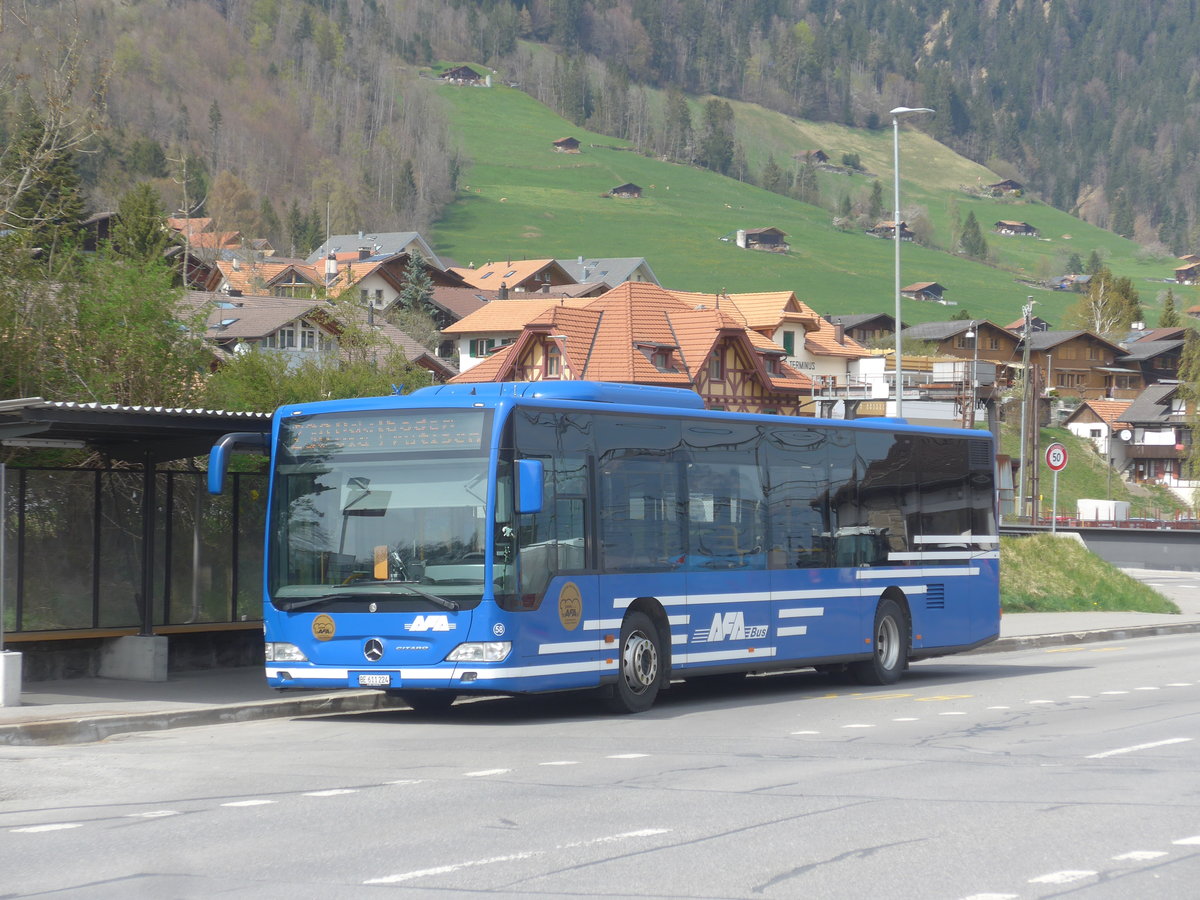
(612,270)
(981,340)
(762,239)
(813,346)
(888,230)
(1077,283)
(627,191)
(1004,188)
(1100,421)
(363,245)
(498,324)
(815,157)
(1192,312)
(461,75)
(566,145)
(273,277)
(1010,228)
(1187,273)
(1152,361)
(867,328)
(927,291)
(640,333)
(523,276)
(1082,364)
(1161,438)
(379,279)
(297,329)
(1036,323)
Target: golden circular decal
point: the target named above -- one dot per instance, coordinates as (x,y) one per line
(570,606)
(322,627)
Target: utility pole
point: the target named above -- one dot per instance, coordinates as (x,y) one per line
(1027,312)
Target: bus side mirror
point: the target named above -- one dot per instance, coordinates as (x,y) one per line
(218,457)
(529,485)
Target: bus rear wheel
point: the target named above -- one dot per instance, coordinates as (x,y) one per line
(640,666)
(889,647)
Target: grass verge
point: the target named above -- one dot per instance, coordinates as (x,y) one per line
(1048,573)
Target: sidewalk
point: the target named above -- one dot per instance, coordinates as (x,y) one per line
(91,709)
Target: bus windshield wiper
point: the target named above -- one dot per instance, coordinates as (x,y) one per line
(290,605)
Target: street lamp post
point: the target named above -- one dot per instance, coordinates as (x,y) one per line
(896,114)
(969,411)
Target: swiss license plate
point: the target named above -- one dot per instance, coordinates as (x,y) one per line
(381,680)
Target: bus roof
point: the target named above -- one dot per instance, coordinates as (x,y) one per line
(572,391)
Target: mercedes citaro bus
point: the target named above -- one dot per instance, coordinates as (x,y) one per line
(548,536)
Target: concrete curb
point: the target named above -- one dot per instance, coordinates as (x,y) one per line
(1035,641)
(82,730)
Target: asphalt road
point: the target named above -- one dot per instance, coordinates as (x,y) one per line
(1039,773)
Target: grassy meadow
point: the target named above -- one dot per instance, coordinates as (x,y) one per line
(520,199)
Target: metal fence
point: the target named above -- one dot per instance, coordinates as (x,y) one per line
(75,547)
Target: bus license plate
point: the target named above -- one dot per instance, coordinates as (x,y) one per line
(380,680)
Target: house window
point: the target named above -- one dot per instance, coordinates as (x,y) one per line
(308,338)
(716,368)
(661,360)
(363,293)
(772,365)
(287,338)
(962,342)
(1096,432)
(553,362)
(480,347)
(993,343)
(378,295)
(789,343)
(1093,352)
(770,411)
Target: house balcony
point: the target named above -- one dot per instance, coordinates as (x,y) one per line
(1155,451)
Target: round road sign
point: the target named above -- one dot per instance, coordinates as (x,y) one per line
(1056,457)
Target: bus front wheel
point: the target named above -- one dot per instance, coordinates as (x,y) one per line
(889,647)
(640,671)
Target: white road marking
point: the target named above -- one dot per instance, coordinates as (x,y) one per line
(249,803)
(1179,684)
(153,814)
(1188,841)
(1079,697)
(57,826)
(485,772)
(405,781)
(1141,854)
(1147,689)
(561,762)
(1034,702)
(627,755)
(1137,747)
(1064,877)
(525,854)
(332,792)
(806,732)
(991,897)
(858,725)
(952,713)
(1114,692)
(907,719)
(999,707)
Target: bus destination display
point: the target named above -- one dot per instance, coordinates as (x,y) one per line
(385,433)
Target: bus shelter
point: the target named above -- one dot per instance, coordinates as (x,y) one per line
(127,542)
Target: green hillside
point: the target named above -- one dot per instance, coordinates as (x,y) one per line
(519,198)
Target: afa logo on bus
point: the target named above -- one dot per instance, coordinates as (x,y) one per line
(431,623)
(731,625)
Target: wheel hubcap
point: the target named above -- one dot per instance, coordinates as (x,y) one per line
(639,662)
(887,642)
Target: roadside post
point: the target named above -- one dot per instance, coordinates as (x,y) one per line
(1056,459)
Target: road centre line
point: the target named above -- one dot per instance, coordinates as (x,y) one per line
(511,857)
(1067,876)
(57,826)
(1140,855)
(1137,747)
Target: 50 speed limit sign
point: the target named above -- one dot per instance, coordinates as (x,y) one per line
(1056,457)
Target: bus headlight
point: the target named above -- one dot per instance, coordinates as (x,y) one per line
(280,652)
(482,651)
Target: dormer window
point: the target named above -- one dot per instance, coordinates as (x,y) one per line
(716,367)
(553,362)
(772,363)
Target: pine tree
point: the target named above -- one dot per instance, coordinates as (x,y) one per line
(972,242)
(141,231)
(416,289)
(1170,315)
(772,175)
(875,202)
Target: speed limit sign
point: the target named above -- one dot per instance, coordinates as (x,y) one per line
(1056,457)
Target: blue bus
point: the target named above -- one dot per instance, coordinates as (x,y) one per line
(548,536)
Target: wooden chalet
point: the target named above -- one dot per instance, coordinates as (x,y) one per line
(887,230)
(566,145)
(926,291)
(1188,273)
(639,333)
(866,328)
(1007,187)
(628,191)
(811,156)
(763,239)
(461,75)
(1010,228)
(522,276)
(1082,364)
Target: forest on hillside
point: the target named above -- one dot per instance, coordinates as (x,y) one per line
(284,118)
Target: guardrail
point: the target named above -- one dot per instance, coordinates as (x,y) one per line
(1161,545)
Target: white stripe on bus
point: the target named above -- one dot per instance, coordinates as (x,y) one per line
(719,655)
(956,539)
(802,612)
(934,555)
(789,630)
(948,572)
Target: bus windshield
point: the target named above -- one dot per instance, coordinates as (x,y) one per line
(392,504)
